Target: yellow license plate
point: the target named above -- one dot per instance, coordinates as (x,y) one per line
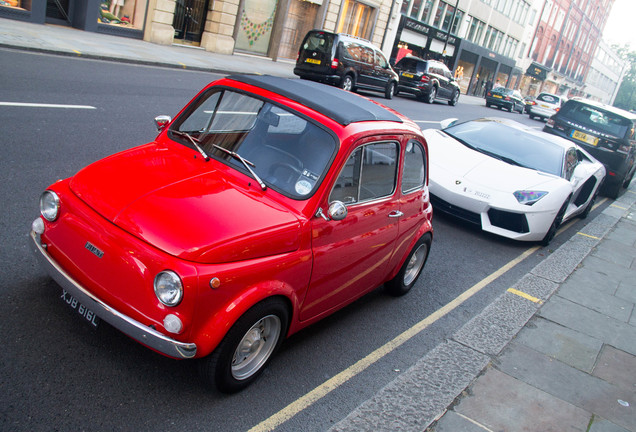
(314,61)
(407,75)
(592,140)
(497,96)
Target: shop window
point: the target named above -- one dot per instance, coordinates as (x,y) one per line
(24,5)
(123,13)
(356,19)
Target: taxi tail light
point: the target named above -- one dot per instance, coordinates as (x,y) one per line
(624,149)
(488,94)
(507,98)
(334,63)
(425,79)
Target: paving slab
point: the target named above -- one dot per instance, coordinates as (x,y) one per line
(591,297)
(566,345)
(569,384)
(617,367)
(503,403)
(569,314)
(615,252)
(454,422)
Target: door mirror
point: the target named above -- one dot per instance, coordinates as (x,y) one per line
(162,121)
(337,210)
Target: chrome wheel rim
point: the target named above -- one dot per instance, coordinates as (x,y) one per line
(348,84)
(256,347)
(415,264)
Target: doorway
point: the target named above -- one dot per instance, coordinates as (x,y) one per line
(189,21)
(59,12)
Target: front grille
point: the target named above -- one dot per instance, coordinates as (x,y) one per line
(446,207)
(516,222)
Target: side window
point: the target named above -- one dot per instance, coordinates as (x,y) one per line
(381,61)
(414,171)
(370,173)
(571,161)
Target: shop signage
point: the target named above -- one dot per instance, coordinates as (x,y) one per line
(418,27)
(537,71)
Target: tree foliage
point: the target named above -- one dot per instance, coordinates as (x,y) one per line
(626,96)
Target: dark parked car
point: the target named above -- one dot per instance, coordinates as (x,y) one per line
(606,132)
(427,79)
(529,101)
(345,61)
(505,98)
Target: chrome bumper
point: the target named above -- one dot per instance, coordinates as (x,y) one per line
(136,330)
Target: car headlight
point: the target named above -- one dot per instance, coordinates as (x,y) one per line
(529,197)
(49,205)
(168,288)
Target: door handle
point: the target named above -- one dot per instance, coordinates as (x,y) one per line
(396,214)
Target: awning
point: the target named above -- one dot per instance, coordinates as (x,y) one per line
(538,71)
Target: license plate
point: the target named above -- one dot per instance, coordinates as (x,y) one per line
(497,96)
(78,307)
(591,140)
(314,61)
(407,75)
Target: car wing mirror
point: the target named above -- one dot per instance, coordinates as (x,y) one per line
(448,122)
(337,211)
(162,122)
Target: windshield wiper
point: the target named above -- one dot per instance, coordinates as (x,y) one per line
(247,164)
(195,142)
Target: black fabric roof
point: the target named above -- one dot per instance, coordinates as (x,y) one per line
(341,106)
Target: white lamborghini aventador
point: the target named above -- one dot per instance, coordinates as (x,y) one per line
(510,179)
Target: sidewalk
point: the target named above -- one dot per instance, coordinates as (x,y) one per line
(556,352)
(51,39)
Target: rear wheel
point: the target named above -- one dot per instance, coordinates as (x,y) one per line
(390,90)
(411,269)
(247,347)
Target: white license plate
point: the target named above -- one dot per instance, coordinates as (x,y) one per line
(78,307)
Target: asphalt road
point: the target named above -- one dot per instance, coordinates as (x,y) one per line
(56,373)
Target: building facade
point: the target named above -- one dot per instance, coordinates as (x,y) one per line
(605,75)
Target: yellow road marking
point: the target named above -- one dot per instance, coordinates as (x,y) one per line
(333,383)
(618,207)
(587,235)
(77,52)
(183,65)
(525,296)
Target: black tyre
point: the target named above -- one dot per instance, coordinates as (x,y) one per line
(555,224)
(347,83)
(247,347)
(411,269)
(487,105)
(390,90)
(453,100)
(430,97)
(589,206)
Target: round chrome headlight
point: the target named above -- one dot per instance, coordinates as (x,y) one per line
(49,205)
(168,288)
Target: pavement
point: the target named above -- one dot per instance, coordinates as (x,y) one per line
(555,352)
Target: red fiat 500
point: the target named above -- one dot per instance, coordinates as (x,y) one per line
(264,206)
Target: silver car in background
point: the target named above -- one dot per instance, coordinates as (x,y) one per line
(546,105)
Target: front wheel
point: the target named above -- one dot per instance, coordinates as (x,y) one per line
(430,97)
(453,100)
(247,347)
(347,83)
(555,224)
(411,269)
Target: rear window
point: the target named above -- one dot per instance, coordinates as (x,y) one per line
(548,98)
(412,65)
(597,119)
(318,41)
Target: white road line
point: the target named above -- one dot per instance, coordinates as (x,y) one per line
(38,105)
(427,121)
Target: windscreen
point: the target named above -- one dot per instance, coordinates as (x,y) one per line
(286,151)
(510,144)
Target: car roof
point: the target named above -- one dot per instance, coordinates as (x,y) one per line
(339,105)
(610,108)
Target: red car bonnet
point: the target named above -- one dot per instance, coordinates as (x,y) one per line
(167,197)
